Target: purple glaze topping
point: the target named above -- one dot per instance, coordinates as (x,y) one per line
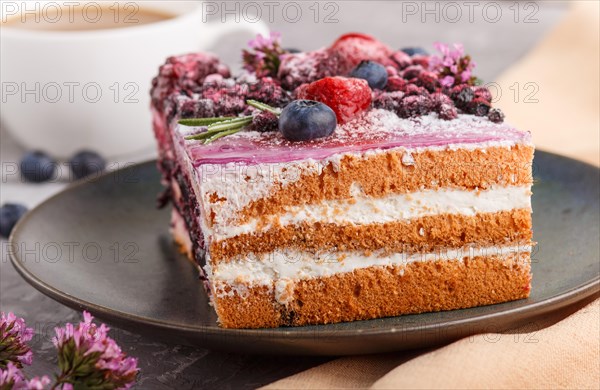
(379,129)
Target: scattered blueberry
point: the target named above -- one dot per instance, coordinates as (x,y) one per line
(37,167)
(86,163)
(10,213)
(375,74)
(292,50)
(411,51)
(303,120)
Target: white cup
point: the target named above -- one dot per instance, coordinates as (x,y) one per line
(63,91)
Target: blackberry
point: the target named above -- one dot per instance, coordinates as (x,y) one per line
(264,121)
(414,106)
(462,96)
(401,59)
(478,107)
(496,115)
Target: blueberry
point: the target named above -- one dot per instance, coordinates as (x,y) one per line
(303,120)
(292,50)
(10,213)
(37,167)
(86,163)
(411,51)
(375,74)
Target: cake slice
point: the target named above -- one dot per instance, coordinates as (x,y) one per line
(415,198)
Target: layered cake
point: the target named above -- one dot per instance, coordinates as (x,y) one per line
(347,183)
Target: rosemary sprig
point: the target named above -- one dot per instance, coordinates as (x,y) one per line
(263,107)
(203,121)
(219,127)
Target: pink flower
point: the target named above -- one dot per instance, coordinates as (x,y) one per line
(87,355)
(14,335)
(12,378)
(453,66)
(264,55)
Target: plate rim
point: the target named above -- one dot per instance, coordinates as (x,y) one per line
(510,315)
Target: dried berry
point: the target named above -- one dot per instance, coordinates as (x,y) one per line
(264,121)
(412,89)
(462,95)
(395,84)
(413,106)
(444,106)
(496,115)
(389,101)
(478,107)
(412,72)
(483,93)
(428,80)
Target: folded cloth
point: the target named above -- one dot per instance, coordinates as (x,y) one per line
(564,69)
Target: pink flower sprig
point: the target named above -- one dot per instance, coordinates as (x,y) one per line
(264,56)
(453,67)
(12,378)
(88,358)
(14,335)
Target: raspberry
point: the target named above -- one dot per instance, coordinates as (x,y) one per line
(462,96)
(495,115)
(443,105)
(265,121)
(413,106)
(391,71)
(483,93)
(388,100)
(351,49)
(428,80)
(401,59)
(347,97)
(306,67)
(478,107)
(395,84)
(412,72)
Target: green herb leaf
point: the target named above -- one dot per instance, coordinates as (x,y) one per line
(203,121)
(222,134)
(263,107)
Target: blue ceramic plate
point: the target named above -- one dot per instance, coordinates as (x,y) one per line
(103,246)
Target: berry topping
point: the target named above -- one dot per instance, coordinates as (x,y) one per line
(388,100)
(496,115)
(416,105)
(444,106)
(396,83)
(375,74)
(347,97)
(479,107)
(353,48)
(401,59)
(428,80)
(86,163)
(462,96)
(37,167)
(304,120)
(10,213)
(412,72)
(264,121)
(411,51)
(483,93)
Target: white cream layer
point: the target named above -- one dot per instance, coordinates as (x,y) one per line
(282,269)
(294,265)
(397,207)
